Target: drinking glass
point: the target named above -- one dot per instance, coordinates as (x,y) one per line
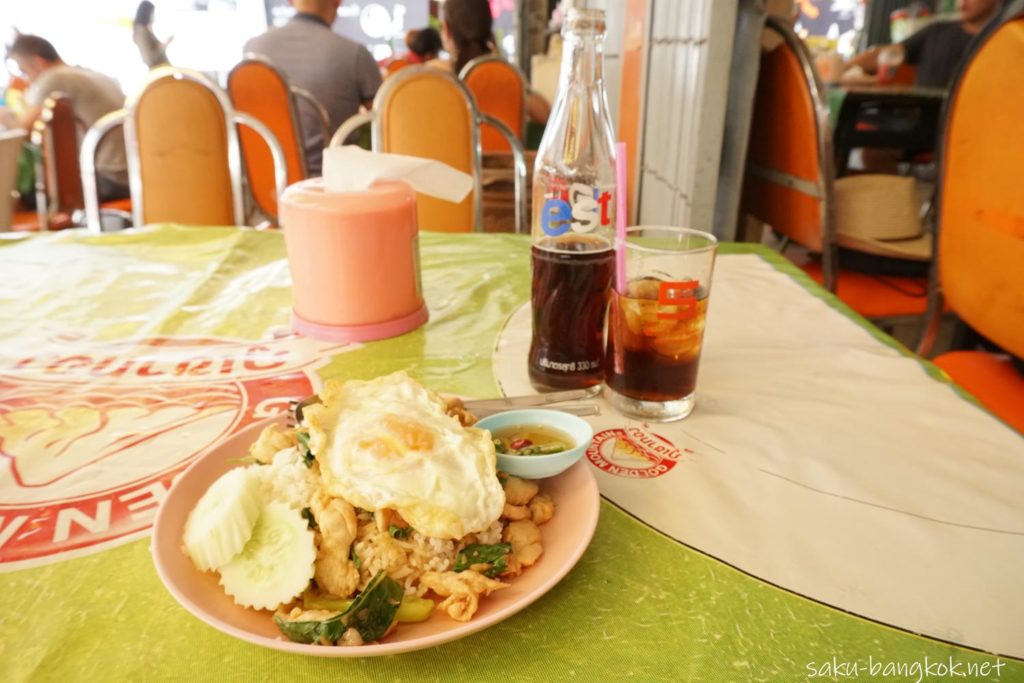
(656,322)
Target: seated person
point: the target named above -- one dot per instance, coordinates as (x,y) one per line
(92,96)
(936,50)
(424,45)
(340,73)
(467,33)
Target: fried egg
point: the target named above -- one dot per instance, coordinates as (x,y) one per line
(389,443)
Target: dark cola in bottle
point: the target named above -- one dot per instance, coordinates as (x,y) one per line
(574,217)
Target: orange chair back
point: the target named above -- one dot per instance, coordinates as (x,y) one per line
(500,91)
(981,206)
(785,183)
(426,112)
(260,90)
(181,129)
(396,64)
(59,143)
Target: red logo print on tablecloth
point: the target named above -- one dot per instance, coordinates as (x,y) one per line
(633,452)
(92,436)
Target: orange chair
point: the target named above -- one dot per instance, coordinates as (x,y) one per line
(980,265)
(259,89)
(59,193)
(500,91)
(427,112)
(396,65)
(184,162)
(789,181)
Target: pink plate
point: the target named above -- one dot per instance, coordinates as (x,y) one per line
(566,537)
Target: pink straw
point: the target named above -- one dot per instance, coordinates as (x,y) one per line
(620,217)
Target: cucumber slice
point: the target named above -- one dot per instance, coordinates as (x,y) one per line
(222,521)
(276,564)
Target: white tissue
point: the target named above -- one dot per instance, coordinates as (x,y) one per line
(351,168)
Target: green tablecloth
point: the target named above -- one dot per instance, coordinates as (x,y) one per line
(638,605)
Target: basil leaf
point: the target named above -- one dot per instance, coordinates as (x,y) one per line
(476,553)
(312,630)
(355,558)
(307,455)
(375,608)
(399,532)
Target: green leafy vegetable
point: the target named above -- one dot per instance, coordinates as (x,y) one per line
(355,558)
(543,449)
(476,553)
(399,532)
(307,515)
(412,609)
(307,455)
(374,609)
(499,446)
(371,614)
(312,630)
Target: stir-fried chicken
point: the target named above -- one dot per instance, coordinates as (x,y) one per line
(461,590)
(334,570)
(524,537)
(520,491)
(272,439)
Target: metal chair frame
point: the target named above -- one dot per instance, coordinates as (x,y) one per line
(473,64)
(297,94)
(318,107)
(822,188)
(126,116)
(47,183)
(377,133)
(1013,11)
(293,111)
(46,162)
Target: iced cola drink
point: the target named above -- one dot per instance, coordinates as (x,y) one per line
(654,348)
(656,321)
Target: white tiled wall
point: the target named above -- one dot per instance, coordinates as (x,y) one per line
(688,59)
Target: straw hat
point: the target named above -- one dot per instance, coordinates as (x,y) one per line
(880,214)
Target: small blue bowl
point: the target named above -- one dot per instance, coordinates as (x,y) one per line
(540,466)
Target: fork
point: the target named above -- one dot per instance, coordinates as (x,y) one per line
(488,406)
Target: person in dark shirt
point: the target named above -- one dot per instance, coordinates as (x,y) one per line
(936,50)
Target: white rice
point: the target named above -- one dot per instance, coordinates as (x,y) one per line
(491,534)
(404,560)
(286,479)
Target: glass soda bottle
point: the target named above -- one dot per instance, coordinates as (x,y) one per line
(574,217)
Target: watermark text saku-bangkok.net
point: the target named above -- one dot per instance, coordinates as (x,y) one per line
(902,670)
